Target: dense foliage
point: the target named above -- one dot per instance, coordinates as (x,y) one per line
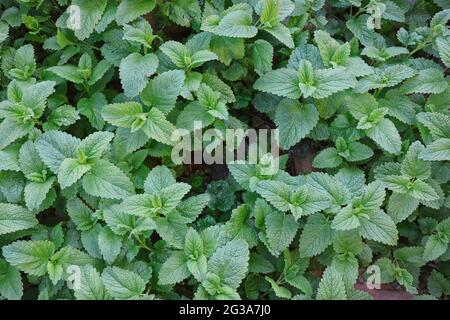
(91,92)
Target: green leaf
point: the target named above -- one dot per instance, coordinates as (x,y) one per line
(55,146)
(174,269)
(282,82)
(347,243)
(330,50)
(378,226)
(88,177)
(14,218)
(194,112)
(62,116)
(412,166)
(294,121)
(129,10)
(177,52)
(25,63)
(347,266)
(211,101)
(372,198)
(443,45)
(123,284)
(282,34)
(193,244)
(198,268)
(92,109)
(29,256)
(134,72)
(330,81)
(437,284)
(4,31)
(236,24)
(346,219)
(358,152)
(357,66)
(122,223)
(385,77)
(91,13)
(358,26)
(307,78)
(142,33)
(95,145)
(29,159)
(399,106)
(63,259)
(281,229)
(300,201)
(393,12)
(316,236)
(81,214)
(435,247)
(335,192)
(162,92)
(11,286)
(443,227)
(352,179)
(385,134)
(361,105)
(423,191)
(437,102)
(331,286)
(441,17)
(280,292)
(438,150)
(184,12)
(107,181)
(262,55)
(270,12)
(192,207)
(11,186)
(172,195)
(200,57)
(98,72)
(227,49)
(71,171)
(383,54)
(11,130)
(36,193)
(324,82)
(230,263)
(123,115)
(239,227)
(426,81)
(259,264)
(91,285)
(217,84)
(150,205)
(437,123)
(417,189)
(159,178)
(109,244)
(401,206)
(276,192)
(9,159)
(327,158)
(158,128)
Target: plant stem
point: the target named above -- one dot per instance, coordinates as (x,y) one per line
(142,243)
(418,48)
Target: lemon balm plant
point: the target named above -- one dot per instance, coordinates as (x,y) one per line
(93,205)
